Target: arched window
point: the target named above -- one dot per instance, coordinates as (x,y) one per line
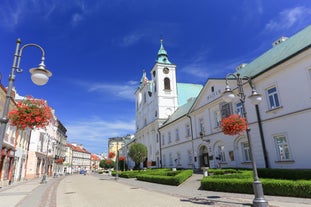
(167,84)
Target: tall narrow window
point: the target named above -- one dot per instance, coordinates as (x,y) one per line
(164,160)
(246,152)
(239,109)
(187,130)
(167,84)
(201,125)
(171,159)
(282,147)
(221,153)
(177,134)
(169,137)
(273,98)
(217,118)
(163,140)
(226,110)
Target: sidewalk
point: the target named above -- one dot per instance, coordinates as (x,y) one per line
(96,185)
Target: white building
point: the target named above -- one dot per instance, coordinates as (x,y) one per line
(156,100)
(280,130)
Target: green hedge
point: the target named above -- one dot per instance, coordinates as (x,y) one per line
(287,174)
(242,182)
(176,180)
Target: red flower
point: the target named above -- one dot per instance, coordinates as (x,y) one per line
(32,113)
(121,158)
(233,124)
(111,155)
(60,160)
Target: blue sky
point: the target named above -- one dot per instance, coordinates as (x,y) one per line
(97,50)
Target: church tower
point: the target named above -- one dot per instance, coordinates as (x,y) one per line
(164,85)
(156,100)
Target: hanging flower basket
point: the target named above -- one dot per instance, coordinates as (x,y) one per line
(32,113)
(111,155)
(233,124)
(60,160)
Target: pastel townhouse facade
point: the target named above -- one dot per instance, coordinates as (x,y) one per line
(117,145)
(191,136)
(68,159)
(28,153)
(41,151)
(95,160)
(81,158)
(8,146)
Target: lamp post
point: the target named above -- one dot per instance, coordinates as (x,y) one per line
(255,98)
(46,162)
(39,76)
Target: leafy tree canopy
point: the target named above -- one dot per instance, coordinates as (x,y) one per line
(138,153)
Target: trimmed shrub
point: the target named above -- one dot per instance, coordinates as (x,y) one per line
(287,174)
(168,180)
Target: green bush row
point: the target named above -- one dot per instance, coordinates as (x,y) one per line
(244,184)
(176,180)
(287,174)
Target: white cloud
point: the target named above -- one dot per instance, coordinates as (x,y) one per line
(131,39)
(288,18)
(94,132)
(124,91)
(197,66)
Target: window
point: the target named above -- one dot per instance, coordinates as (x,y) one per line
(221,153)
(190,160)
(218,118)
(239,109)
(201,125)
(246,152)
(177,134)
(273,98)
(171,159)
(167,84)
(163,140)
(145,98)
(282,147)
(226,110)
(187,130)
(164,160)
(169,137)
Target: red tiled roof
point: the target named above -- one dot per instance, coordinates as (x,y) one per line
(77,148)
(95,157)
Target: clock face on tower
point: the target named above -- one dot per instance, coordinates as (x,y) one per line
(166,70)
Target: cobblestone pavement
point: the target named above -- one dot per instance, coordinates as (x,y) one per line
(103,190)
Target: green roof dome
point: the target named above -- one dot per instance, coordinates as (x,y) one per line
(162,55)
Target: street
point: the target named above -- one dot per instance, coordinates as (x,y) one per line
(97,190)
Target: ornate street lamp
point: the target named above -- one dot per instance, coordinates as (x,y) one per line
(39,76)
(255,98)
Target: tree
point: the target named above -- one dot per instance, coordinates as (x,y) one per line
(138,153)
(106,164)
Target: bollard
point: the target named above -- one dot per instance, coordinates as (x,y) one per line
(205,171)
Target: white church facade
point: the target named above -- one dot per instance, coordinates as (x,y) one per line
(187,134)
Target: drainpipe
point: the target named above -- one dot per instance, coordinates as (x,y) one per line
(265,154)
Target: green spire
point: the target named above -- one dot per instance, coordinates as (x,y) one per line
(162,55)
